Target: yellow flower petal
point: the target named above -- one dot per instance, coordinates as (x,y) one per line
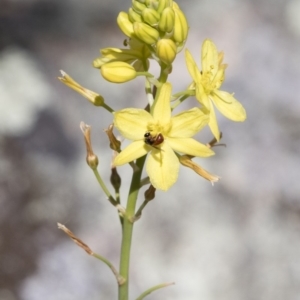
(188,123)
(132,123)
(209,58)
(229,106)
(131,152)
(189,146)
(162,167)
(191,64)
(201,95)
(213,123)
(162,108)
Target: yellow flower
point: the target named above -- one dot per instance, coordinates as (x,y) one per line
(207,83)
(160,134)
(137,56)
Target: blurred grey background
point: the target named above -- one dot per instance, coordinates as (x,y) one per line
(237,240)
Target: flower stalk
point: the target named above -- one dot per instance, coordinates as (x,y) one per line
(163,142)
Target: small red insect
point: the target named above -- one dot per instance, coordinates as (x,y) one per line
(153,140)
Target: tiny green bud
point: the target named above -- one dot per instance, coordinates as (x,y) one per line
(115,179)
(150,16)
(118,72)
(167,20)
(181,27)
(124,23)
(150,193)
(92,161)
(166,50)
(134,16)
(145,33)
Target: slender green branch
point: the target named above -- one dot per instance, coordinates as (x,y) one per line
(149,291)
(107,107)
(104,188)
(183,93)
(119,278)
(139,211)
(145,181)
(179,101)
(89,251)
(128,227)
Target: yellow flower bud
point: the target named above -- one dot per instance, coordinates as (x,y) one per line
(162,5)
(150,16)
(145,33)
(152,3)
(166,50)
(138,6)
(124,23)
(134,16)
(100,61)
(167,20)
(180,26)
(118,72)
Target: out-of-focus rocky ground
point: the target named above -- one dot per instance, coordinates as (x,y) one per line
(237,240)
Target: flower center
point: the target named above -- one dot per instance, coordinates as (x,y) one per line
(153,140)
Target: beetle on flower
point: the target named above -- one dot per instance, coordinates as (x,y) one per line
(175,134)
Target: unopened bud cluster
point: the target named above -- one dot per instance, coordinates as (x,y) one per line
(156,29)
(159,23)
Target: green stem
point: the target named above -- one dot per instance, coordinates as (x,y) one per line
(149,291)
(139,211)
(107,107)
(119,278)
(104,188)
(128,227)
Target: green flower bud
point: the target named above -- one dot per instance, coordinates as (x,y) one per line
(142,1)
(167,20)
(124,23)
(145,33)
(166,50)
(118,72)
(134,16)
(180,26)
(138,6)
(150,16)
